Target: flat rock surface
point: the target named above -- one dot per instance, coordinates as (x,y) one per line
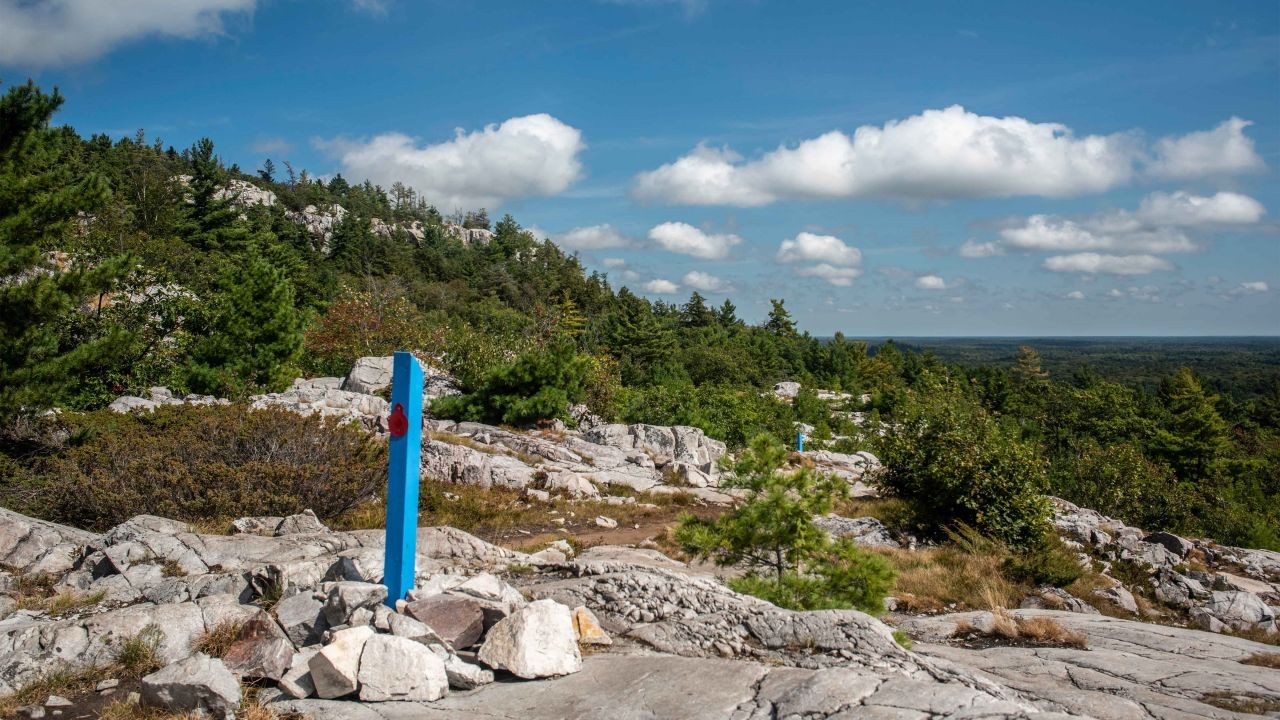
(1129,670)
(648,687)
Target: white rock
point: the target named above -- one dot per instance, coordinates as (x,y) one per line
(396,668)
(533,642)
(335,670)
(607,523)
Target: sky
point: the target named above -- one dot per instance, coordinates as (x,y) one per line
(889,168)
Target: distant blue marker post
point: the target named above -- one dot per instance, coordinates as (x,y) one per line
(800,441)
(405,426)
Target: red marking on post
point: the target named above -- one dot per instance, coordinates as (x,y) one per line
(398,423)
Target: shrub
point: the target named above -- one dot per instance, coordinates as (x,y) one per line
(956,463)
(1046,562)
(364,323)
(197,463)
(790,561)
(540,385)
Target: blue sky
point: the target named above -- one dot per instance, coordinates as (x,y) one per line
(890,168)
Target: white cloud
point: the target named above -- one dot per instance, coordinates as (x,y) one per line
(1075,295)
(64,32)
(661,287)
(1160,225)
(808,247)
(377,8)
(705,282)
(838,276)
(1224,150)
(1093,263)
(931,282)
(685,239)
(592,237)
(613,262)
(533,155)
(1183,209)
(1055,234)
(940,154)
(974,249)
(1251,288)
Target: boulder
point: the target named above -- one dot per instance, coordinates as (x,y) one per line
(335,670)
(535,641)
(396,668)
(261,649)
(787,389)
(198,684)
(301,524)
(458,620)
(1238,610)
(302,617)
(1177,545)
(348,596)
(866,531)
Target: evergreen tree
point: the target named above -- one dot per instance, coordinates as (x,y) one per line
(695,313)
(780,322)
(213,223)
(38,199)
(254,334)
(728,314)
(268,171)
(1194,435)
(1028,370)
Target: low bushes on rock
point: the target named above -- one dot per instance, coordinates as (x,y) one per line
(197,463)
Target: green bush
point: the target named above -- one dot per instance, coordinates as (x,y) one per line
(196,464)
(540,385)
(790,561)
(956,463)
(1046,562)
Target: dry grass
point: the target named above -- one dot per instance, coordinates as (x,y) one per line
(1266,660)
(932,579)
(1050,632)
(216,642)
(1038,630)
(1241,702)
(59,603)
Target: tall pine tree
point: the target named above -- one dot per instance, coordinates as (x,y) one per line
(38,200)
(254,333)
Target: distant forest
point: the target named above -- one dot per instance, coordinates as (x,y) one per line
(1239,368)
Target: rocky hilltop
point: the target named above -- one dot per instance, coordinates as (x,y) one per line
(297,611)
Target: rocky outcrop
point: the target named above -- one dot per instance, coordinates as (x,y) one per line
(468,236)
(307,398)
(158,396)
(1213,599)
(865,531)
(372,376)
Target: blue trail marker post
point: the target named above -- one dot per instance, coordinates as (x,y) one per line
(405,426)
(800,441)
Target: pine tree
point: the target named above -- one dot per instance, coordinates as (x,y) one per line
(780,322)
(254,334)
(1194,435)
(1028,370)
(728,314)
(37,201)
(695,313)
(268,171)
(212,223)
